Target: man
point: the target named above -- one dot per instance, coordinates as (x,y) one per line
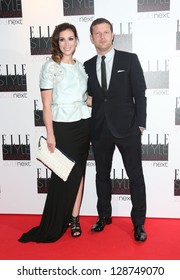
(118,120)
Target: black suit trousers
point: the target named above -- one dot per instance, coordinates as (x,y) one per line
(130,150)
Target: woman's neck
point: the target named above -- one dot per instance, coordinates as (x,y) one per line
(68,60)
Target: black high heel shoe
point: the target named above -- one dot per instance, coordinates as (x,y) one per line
(75,226)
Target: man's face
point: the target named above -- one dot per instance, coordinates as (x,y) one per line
(102,38)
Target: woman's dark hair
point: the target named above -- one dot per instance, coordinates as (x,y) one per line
(99,21)
(56,52)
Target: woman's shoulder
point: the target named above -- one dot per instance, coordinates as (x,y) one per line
(78,62)
(52,69)
(80,65)
(49,63)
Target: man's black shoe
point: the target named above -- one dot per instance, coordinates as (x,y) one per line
(100,224)
(139,233)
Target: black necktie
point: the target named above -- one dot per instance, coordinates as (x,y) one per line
(103,74)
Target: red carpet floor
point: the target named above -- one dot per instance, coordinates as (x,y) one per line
(114,243)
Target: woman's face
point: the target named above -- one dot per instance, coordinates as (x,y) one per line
(67,42)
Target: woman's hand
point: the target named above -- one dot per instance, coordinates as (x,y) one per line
(51,143)
(89,101)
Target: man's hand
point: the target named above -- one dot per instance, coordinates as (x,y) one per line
(141,129)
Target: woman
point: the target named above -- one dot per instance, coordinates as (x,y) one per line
(63,84)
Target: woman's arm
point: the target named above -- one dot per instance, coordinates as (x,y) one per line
(46,96)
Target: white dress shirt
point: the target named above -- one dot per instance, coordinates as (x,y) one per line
(108,62)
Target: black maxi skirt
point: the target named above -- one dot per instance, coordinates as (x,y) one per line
(74,139)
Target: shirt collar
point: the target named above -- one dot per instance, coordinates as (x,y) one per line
(108,55)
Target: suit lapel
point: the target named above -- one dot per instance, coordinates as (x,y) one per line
(94,73)
(114,70)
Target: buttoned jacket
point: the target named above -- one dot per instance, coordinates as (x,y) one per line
(123,106)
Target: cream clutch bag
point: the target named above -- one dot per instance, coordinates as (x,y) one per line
(57,161)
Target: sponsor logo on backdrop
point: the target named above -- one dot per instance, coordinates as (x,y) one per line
(40,40)
(153,5)
(43,179)
(157,76)
(16,147)
(13,78)
(123,40)
(177,182)
(76,7)
(10,9)
(38,115)
(177,111)
(155,148)
(120,185)
(178,35)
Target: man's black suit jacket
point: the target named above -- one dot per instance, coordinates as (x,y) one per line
(124,105)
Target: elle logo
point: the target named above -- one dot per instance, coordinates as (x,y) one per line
(78,7)
(10,9)
(153,5)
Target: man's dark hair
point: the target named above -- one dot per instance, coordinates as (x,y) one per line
(99,21)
